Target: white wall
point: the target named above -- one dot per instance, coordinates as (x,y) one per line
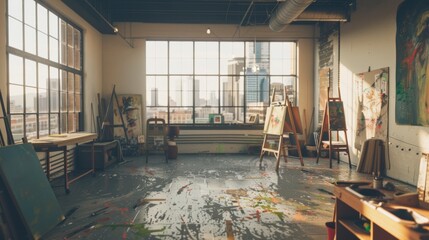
(369,41)
(124,65)
(92,59)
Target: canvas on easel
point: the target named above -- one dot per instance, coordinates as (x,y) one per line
(333,122)
(280,123)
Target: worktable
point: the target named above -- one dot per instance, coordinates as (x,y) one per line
(349,209)
(59,142)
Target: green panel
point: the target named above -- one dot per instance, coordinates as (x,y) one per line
(29,188)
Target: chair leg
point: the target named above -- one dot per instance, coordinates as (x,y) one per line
(330,157)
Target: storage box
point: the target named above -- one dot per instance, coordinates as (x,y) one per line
(105,153)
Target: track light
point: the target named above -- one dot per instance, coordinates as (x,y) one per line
(208,31)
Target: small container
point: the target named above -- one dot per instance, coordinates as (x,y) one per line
(377,183)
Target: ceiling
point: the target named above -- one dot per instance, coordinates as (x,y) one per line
(102,14)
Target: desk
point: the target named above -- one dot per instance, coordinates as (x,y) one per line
(59,143)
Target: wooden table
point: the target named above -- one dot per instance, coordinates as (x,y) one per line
(350,207)
(59,143)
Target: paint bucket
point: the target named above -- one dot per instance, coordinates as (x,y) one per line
(330,227)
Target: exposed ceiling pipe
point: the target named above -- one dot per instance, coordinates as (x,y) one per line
(286,13)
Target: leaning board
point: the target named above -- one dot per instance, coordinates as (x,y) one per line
(29,189)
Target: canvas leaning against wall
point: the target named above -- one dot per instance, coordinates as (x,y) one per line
(412,63)
(131,108)
(372,104)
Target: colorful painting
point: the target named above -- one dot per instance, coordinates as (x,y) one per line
(131,108)
(275,120)
(372,104)
(412,67)
(337,120)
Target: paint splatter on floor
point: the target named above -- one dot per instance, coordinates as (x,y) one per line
(203,197)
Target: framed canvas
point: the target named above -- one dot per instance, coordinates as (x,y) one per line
(130,105)
(217,119)
(275,120)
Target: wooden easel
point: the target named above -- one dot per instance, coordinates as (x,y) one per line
(106,115)
(333,121)
(287,124)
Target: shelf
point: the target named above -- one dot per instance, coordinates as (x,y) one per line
(358,232)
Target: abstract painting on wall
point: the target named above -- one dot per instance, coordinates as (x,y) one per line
(372,104)
(412,67)
(130,106)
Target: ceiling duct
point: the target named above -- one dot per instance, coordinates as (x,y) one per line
(286,13)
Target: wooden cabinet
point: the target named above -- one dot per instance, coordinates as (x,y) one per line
(350,208)
(105,153)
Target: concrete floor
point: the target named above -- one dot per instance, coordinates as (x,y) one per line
(203,197)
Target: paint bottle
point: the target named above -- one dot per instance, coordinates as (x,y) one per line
(377,183)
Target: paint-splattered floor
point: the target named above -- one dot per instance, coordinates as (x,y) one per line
(203,197)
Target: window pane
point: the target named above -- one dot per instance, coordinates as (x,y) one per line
(257,57)
(17,127)
(230,114)
(43,76)
(181,57)
(55,101)
(31,126)
(181,88)
(53,49)
(206,91)
(53,25)
(71,122)
(30,12)
(30,43)
(30,73)
(53,78)
(42,19)
(257,91)
(43,125)
(16,69)
(156,57)
(70,102)
(77,83)
(202,114)
(280,83)
(16,98)
(283,58)
(70,82)
(15,34)
(63,41)
(157,94)
(77,103)
(42,44)
(158,112)
(43,100)
(70,46)
(15,9)
(231,58)
(30,100)
(231,93)
(54,124)
(63,101)
(77,49)
(63,122)
(181,115)
(63,81)
(206,57)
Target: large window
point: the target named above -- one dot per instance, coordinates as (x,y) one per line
(195,82)
(45,71)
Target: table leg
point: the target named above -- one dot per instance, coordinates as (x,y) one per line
(48,165)
(66,176)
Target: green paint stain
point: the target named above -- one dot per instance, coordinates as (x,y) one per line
(139,229)
(280,215)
